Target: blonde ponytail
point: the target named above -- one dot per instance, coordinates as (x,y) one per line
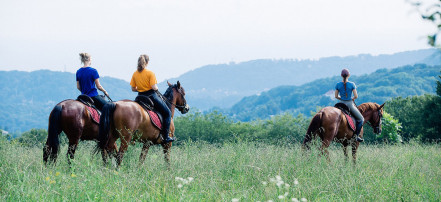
(84,57)
(143,60)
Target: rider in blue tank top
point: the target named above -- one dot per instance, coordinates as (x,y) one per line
(343,92)
(88,81)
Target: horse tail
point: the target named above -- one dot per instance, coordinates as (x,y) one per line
(106,120)
(314,127)
(52,146)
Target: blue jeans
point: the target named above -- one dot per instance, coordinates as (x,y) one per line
(162,108)
(99,102)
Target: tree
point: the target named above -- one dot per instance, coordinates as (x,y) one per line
(431,12)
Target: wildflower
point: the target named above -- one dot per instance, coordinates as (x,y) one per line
(48,178)
(303,199)
(190,179)
(295,199)
(264,183)
(281,197)
(52,182)
(270,200)
(287,185)
(296,182)
(179,178)
(278,178)
(73,175)
(286,194)
(57,173)
(235,200)
(180,185)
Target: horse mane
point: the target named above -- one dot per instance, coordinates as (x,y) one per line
(368,106)
(169,95)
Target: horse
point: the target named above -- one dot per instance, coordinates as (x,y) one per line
(331,124)
(129,121)
(72,118)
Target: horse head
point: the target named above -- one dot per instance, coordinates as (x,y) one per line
(375,120)
(178,97)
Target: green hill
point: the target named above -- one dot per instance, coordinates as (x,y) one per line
(377,87)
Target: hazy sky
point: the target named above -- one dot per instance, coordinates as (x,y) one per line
(181,35)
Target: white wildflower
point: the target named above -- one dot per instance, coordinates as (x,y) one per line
(295,199)
(272,180)
(234,200)
(190,179)
(287,185)
(286,194)
(279,183)
(296,182)
(278,178)
(270,201)
(303,199)
(281,197)
(264,183)
(180,185)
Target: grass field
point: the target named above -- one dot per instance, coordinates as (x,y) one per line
(242,171)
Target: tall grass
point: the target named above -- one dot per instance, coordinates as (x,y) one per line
(246,171)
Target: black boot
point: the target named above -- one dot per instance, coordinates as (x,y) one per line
(357,131)
(167,138)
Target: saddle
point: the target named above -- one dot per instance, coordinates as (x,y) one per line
(93,111)
(147,104)
(347,112)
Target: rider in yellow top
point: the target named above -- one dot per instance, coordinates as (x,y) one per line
(144,82)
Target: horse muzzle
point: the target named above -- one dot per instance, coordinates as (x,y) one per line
(377,130)
(185,109)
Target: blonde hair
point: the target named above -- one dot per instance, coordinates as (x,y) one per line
(84,57)
(143,60)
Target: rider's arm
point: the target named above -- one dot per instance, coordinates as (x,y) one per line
(155,87)
(355,94)
(78,86)
(134,89)
(98,85)
(336,95)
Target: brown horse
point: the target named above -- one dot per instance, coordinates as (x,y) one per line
(72,118)
(129,121)
(331,124)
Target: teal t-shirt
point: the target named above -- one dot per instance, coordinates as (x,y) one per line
(345,94)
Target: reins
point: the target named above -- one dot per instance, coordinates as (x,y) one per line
(169,101)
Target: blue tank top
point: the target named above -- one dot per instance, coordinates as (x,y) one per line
(86,76)
(345,94)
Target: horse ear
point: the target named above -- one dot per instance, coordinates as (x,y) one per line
(169,84)
(381,106)
(179,85)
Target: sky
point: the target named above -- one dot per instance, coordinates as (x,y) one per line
(182,35)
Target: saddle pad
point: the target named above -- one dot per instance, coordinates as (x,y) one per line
(155,119)
(94,114)
(351,121)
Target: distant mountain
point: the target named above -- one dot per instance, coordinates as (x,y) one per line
(225,84)
(27,98)
(377,87)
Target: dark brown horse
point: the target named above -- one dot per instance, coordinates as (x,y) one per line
(72,118)
(128,121)
(331,124)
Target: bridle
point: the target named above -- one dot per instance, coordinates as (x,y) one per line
(180,107)
(377,128)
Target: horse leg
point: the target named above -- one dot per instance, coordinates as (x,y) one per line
(145,150)
(354,151)
(324,148)
(125,140)
(71,150)
(345,151)
(166,150)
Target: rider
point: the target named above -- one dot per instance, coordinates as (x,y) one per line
(343,92)
(87,79)
(144,82)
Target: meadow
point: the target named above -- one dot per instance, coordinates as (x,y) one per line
(235,171)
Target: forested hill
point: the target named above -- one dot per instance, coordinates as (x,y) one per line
(27,98)
(225,84)
(377,87)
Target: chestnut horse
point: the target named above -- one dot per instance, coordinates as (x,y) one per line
(72,118)
(331,124)
(127,120)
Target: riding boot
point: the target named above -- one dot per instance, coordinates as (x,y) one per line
(357,130)
(167,138)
